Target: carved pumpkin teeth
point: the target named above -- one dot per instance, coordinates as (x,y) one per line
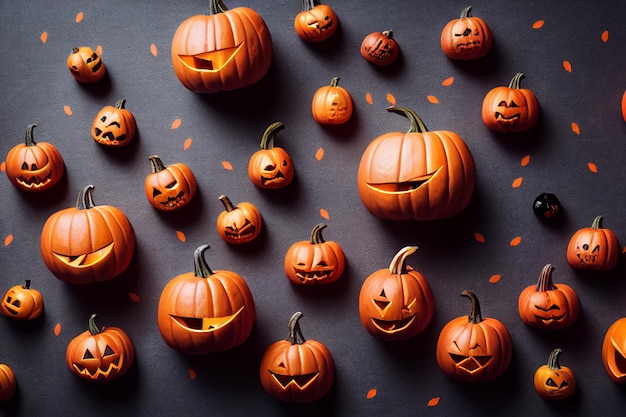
(308,275)
(34,181)
(172,202)
(87,259)
(501,117)
(470,364)
(212,61)
(279,177)
(100,373)
(204,324)
(300,381)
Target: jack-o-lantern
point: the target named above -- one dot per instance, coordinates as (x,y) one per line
(624,106)
(418,175)
(547,206)
(204,311)
(614,351)
(224,50)
(396,303)
(594,248)
(473,349)
(332,104)
(87,243)
(553,381)
(315,22)
(548,305)
(271,166)
(22,302)
(34,166)
(238,224)
(86,65)
(380,48)
(8,383)
(315,261)
(510,109)
(100,354)
(297,370)
(466,38)
(114,125)
(169,188)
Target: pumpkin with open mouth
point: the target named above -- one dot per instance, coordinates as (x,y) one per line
(238,224)
(614,351)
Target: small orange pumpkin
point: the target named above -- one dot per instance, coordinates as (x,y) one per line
(466,38)
(8,383)
(332,104)
(114,125)
(86,65)
(315,23)
(240,224)
(510,109)
(624,106)
(169,188)
(271,167)
(380,48)
(22,302)
(553,381)
(614,351)
(594,248)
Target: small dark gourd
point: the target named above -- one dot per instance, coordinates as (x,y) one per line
(547,206)
(380,48)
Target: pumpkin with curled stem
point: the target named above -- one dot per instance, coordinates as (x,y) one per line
(22,302)
(86,65)
(332,104)
(380,48)
(466,38)
(510,109)
(594,248)
(171,187)
(238,224)
(8,382)
(553,381)
(114,125)
(315,22)
(271,167)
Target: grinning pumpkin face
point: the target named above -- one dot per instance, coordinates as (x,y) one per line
(85,65)
(271,167)
(510,109)
(466,38)
(169,188)
(240,224)
(315,23)
(380,48)
(22,303)
(553,381)
(594,248)
(614,351)
(114,125)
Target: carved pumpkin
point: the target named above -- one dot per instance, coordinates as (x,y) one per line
(624,106)
(315,261)
(297,370)
(396,303)
(466,38)
(86,65)
(614,351)
(547,206)
(8,383)
(332,104)
(87,243)
(169,188)
(203,311)
(594,248)
(553,381)
(547,305)
(34,166)
(510,109)
(315,23)
(224,50)
(271,166)
(22,302)
(417,175)
(114,125)
(100,354)
(473,349)
(239,224)
(380,48)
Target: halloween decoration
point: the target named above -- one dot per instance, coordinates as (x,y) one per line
(271,166)
(239,224)
(224,50)
(380,48)
(8,383)
(332,104)
(22,302)
(553,381)
(114,125)
(87,243)
(396,303)
(86,65)
(297,370)
(510,109)
(203,311)
(624,106)
(418,175)
(547,206)
(315,261)
(594,248)
(169,188)
(34,166)
(614,351)
(466,38)
(315,22)
(473,349)
(547,305)
(100,354)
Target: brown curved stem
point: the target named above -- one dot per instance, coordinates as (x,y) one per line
(26,285)
(201,268)
(466,12)
(597,223)
(217,6)
(156,163)
(416,123)
(316,234)
(544,283)
(267,141)
(334,82)
(307,5)
(398,263)
(228,205)
(119,104)
(294,334)
(515,81)
(475,316)
(85,198)
(29,140)
(553,359)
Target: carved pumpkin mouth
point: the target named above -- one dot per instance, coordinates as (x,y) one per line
(618,364)
(300,381)
(279,177)
(245,231)
(586,257)
(468,45)
(172,202)
(322,27)
(404,187)
(550,320)
(97,66)
(212,61)
(85,260)
(307,275)
(502,118)
(36,180)
(115,365)
(470,364)
(393,326)
(204,324)
(10,309)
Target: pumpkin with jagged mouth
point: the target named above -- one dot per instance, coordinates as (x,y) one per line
(169,187)
(238,224)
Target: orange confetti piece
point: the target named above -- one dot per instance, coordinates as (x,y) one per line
(176,124)
(575,128)
(67,110)
(44,37)
(567,66)
(192,374)
(57,329)
(368,98)
(227,165)
(187,144)
(371,393)
(478,237)
(516,241)
(517,182)
(181,236)
(448,82)
(433,99)
(324,214)
(79,17)
(592,167)
(495,278)
(3,166)
(525,161)
(538,24)
(134,297)
(153,50)
(8,240)
(319,154)
(391,99)
(433,401)
(605,36)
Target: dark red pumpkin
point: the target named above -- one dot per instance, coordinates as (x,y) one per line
(380,48)
(271,167)
(510,109)
(466,38)
(594,248)
(315,22)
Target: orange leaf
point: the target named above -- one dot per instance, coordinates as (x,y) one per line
(44,37)
(517,182)
(79,17)
(181,236)
(433,401)
(495,278)
(192,374)
(433,99)
(479,237)
(368,98)
(567,66)
(575,128)
(391,99)
(605,36)
(134,297)
(8,240)
(153,50)
(176,124)
(324,214)
(525,160)
(538,24)
(57,329)
(187,144)
(592,167)
(227,165)
(516,241)
(3,166)
(448,81)
(67,110)
(319,154)
(371,393)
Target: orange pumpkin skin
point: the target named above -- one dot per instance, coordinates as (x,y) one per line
(418,175)
(8,383)
(87,243)
(380,48)
(271,167)
(466,38)
(22,302)
(594,248)
(510,109)
(332,104)
(169,188)
(548,305)
(114,125)
(315,23)
(34,166)
(238,224)
(85,65)
(224,50)
(297,370)
(614,351)
(553,381)
(203,311)
(624,106)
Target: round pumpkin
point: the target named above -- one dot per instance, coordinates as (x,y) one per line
(624,106)
(8,383)
(315,261)
(86,65)
(473,349)
(22,302)
(594,248)
(315,22)
(34,166)
(553,381)
(222,50)
(238,224)
(418,175)
(271,167)
(169,188)
(114,125)
(466,38)
(295,369)
(87,243)
(380,48)
(614,351)
(203,311)
(510,109)
(332,104)
(396,303)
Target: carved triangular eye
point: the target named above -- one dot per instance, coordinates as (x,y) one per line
(156,192)
(171,185)
(550,382)
(108,351)
(88,355)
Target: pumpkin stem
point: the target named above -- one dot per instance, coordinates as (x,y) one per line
(119,104)
(217,6)
(267,141)
(544,283)
(597,223)
(417,126)
(29,140)
(388,33)
(515,81)
(227,203)
(201,268)
(75,50)
(93,329)
(553,359)
(475,316)
(316,234)
(157,164)
(85,198)
(307,5)
(466,12)
(294,334)
(334,82)
(398,263)
(26,286)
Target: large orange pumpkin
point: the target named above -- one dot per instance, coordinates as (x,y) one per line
(466,38)
(8,383)
(271,167)
(417,175)
(594,248)
(510,109)
(169,188)
(223,50)
(315,22)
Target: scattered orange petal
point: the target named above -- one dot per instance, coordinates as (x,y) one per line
(448,81)
(624,249)
(192,374)
(538,24)
(99,49)
(433,401)
(525,160)
(57,329)
(44,37)
(516,241)
(134,297)
(319,154)
(495,278)
(391,99)
(605,36)
(575,128)
(479,237)
(227,165)
(187,144)
(324,214)
(181,236)
(371,393)
(592,167)
(567,66)
(517,182)
(153,50)
(368,98)
(67,110)
(176,124)
(8,240)
(3,166)
(79,17)
(433,99)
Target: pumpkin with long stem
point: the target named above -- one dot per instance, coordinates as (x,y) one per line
(553,381)
(510,109)
(271,167)
(171,187)
(238,224)
(315,22)
(22,302)
(467,37)
(594,248)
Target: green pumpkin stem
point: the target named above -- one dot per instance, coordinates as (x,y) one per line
(475,316)
(597,223)
(267,141)
(316,234)
(26,285)
(217,6)
(553,359)
(466,12)
(201,268)
(29,140)
(228,205)
(119,104)
(417,125)
(93,329)
(515,81)
(307,5)
(157,164)
(85,198)
(544,283)
(294,334)
(398,263)
(334,82)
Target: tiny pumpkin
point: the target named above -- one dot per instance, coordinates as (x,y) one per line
(332,104)
(614,351)
(624,106)
(315,22)
(86,65)
(510,109)
(22,302)
(380,48)
(594,248)
(8,382)
(466,38)
(547,206)
(114,125)
(271,167)
(169,188)
(34,166)
(295,369)
(553,381)
(238,224)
